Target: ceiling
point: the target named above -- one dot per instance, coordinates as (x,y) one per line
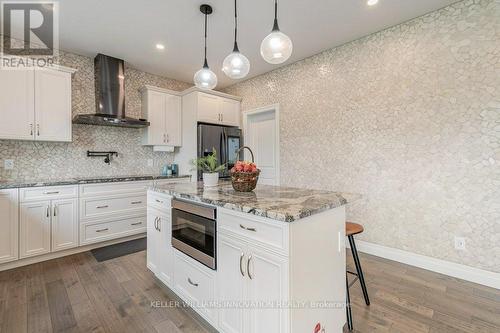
(130,29)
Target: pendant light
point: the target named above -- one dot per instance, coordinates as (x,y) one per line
(277,47)
(205,78)
(236,65)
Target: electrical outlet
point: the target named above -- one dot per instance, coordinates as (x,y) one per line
(150,162)
(460,243)
(8,164)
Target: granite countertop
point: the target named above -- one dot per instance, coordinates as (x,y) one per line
(285,204)
(76,181)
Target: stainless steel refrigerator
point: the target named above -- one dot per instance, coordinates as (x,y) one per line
(226,140)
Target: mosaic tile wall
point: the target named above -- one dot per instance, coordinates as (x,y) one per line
(410,118)
(38,160)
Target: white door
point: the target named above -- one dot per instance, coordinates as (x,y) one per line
(231,268)
(53,105)
(156,116)
(164,249)
(268,285)
(208,108)
(17,104)
(64,224)
(261,135)
(230,110)
(152,240)
(173,121)
(9,225)
(34,229)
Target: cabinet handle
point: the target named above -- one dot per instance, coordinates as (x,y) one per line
(137,223)
(155,225)
(48,213)
(164,138)
(222,117)
(38,129)
(159,221)
(100,207)
(135,202)
(54,209)
(168,138)
(31,129)
(241,262)
(249,229)
(102,230)
(192,283)
(248,267)
(53,192)
(158,201)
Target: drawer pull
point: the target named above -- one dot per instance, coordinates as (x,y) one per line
(249,229)
(158,201)
(102,230)
(135,202)
(48,213)
(51,192)
(192,283)
(241,262)
(100,207)
(137,223)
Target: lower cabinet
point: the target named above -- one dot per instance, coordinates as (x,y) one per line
(48,226)
(9,225)
(159,250)
(254,276)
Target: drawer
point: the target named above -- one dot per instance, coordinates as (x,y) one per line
(159,201)
(105,206)
(100,189)
(93,233)
(195,284)
(48,193)
(255,229)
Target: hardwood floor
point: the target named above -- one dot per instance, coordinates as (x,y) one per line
(78,294)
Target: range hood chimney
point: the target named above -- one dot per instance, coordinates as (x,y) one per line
(109,77)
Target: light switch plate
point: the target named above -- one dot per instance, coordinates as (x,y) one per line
(8,164)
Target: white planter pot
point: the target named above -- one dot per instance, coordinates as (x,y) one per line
(210,179)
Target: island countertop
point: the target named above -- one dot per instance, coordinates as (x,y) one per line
(286,204)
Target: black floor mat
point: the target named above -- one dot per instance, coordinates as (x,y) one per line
(118,250)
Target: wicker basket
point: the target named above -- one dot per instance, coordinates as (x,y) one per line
(245,181)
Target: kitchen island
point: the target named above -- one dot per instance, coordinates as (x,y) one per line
(279,254)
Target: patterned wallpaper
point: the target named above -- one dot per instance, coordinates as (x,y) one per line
(410,118)
(39,160)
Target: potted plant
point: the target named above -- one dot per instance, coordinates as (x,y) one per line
(210,167)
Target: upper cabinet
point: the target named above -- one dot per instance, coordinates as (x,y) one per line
(162,108)
(219,110)
(36,104)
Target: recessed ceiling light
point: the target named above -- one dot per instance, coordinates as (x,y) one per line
(372,2)
(160,46)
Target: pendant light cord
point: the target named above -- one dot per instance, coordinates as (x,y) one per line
(235,49)
(275,26)
(205,64)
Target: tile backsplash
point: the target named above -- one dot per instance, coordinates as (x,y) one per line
(48,160)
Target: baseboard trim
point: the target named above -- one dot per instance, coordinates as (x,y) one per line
(471,274)
(55,255)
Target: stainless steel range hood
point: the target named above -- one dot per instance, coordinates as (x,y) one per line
(109,76)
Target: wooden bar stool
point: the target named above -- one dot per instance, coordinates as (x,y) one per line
(352,229)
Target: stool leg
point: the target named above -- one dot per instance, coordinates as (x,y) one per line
(348,306)
(358,269)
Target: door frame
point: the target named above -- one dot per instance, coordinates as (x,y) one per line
(268,108)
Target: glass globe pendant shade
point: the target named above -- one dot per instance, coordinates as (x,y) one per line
(276,48)
(236,65)
(205,79)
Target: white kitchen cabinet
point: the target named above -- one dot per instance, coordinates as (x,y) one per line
(153,239)
(209,108)
(53,105)
(9,225)
(34,228)
(215,109)
(17,109)
(64,224)
(230,112)
(36,104)
(162,108)
(159,253)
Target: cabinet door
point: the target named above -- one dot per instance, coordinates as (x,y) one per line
(17,105)
(164,249)
(152,241)
(35,228)
(173,120)
(230,110)
(156,105)
(208,108)
(52,105)
(9,225)
(231,270)
(64,224)
(268,284)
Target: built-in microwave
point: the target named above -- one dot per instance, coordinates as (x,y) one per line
(194,231)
